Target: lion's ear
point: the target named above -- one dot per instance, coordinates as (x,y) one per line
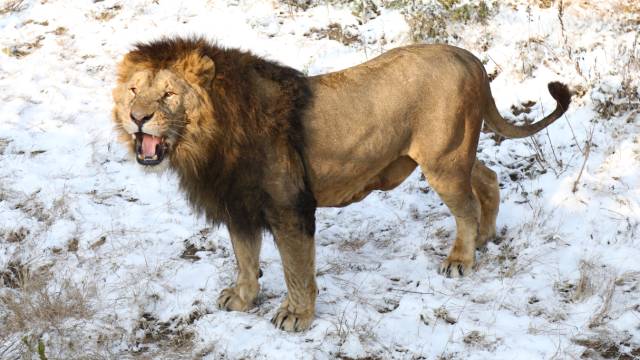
(197,69)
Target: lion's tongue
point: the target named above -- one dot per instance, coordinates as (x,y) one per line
(149,143)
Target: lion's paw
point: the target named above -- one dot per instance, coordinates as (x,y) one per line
(456,268)
(290,321)
(230,300)
(484,238)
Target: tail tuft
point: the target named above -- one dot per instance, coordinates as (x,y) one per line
(561,93)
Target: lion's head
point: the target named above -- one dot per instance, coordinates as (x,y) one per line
(159,102)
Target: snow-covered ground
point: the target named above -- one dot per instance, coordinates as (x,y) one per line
(101,260)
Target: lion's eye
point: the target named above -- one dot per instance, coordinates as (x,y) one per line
(133,90)
(168,94)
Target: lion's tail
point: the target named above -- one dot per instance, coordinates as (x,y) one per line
(559,91)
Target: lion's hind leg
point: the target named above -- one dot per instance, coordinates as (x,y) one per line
(485,186)
(241,297)
(453,185)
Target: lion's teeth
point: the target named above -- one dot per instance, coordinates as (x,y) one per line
(154,157)
(133,136)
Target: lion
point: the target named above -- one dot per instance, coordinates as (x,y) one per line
(258,146)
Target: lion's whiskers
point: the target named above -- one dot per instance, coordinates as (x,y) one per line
(176,134)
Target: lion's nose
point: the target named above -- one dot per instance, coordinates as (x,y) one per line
(140,117)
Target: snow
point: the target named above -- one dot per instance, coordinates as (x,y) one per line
(565,266)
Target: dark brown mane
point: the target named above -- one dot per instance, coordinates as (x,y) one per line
(255,102)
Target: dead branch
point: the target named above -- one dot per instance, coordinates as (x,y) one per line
(587,151)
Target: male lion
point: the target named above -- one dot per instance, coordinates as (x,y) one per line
(258,146)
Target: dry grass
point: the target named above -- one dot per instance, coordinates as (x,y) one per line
(443,314)
(545,4)
(16,236)
(32,305)
(601,317)
(23,49)
(353,244)
(297,5)
(169,335)
(592,281)
(346,35)
(4,142)
(427,26)
(623,101)
(35,304)
(605,345)
(628,6)
(173,339)
(108,13)
(10,6)
(585,286)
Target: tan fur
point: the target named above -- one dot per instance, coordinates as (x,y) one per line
(364,128)
(372,124)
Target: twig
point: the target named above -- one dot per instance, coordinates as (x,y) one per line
(573,133)
(548,137)
(562,29)
(587,151)
(631,116)
(553,152)
(498,65)
(412,292)
(539,153)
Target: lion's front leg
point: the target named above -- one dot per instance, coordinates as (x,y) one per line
(247,250)
(297,250)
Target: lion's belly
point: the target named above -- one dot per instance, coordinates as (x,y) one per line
(343,186)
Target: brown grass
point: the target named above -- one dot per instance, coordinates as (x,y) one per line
(32,305)
(23,49)
(442,314)
(34,302)
(628,6)
(108,13)
(16,235)
(4,142)
(10,6)
(601,317)
(175,337)
(585,286)
(346,35)
(604,345)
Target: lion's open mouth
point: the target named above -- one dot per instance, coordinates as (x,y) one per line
(150,150)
